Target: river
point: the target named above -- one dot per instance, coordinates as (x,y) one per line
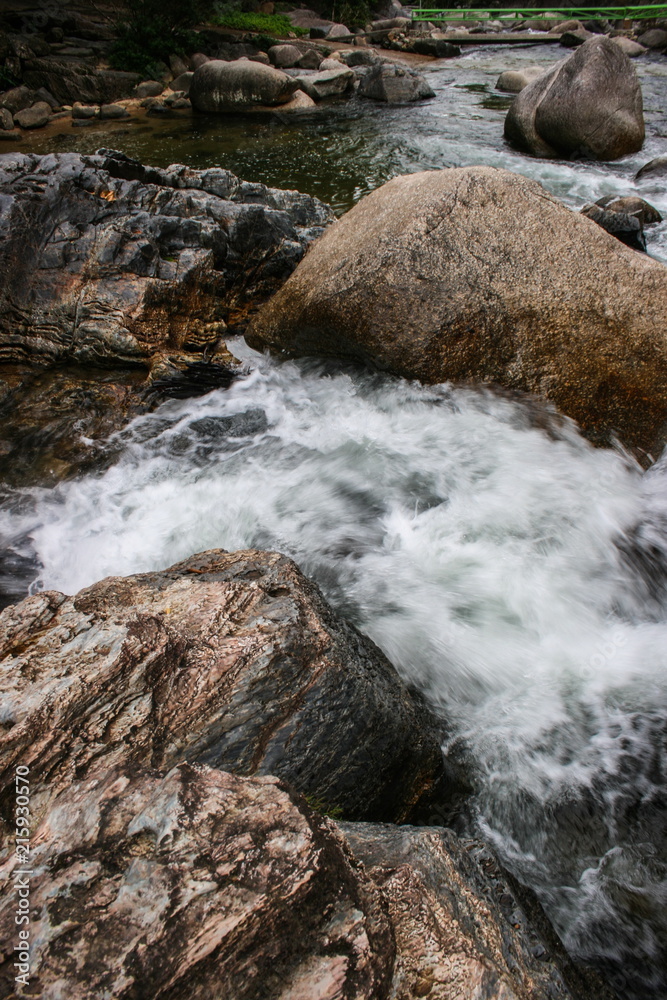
(511,571)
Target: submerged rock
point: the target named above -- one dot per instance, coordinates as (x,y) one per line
(479,274)
(227,659)
(104,260)
(587,105)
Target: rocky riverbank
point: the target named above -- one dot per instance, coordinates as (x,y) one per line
(154,868)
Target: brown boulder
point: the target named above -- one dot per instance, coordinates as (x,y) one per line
(590,104)
(33,117)
(227,659)
(479,274)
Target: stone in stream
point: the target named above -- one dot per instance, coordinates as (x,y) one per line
(106,261)
(479,275)
(625,227)
(194,882)
(654,168)
(655,38)
(513,81)
(630,48)
(33,117)
(223,86)
(228,659)
(330,83)
(438,47)
(631,205)
(590,104)
(394,84)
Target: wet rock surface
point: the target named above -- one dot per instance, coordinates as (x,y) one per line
(227,659)
(104,260)
(463,926)
(198,883)
(479,274)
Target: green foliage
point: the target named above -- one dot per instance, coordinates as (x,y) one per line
(155,30)
(352,13)
(317,805)
(277,25)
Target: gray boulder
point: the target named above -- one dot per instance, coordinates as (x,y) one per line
(284,56)
(310,59)
(6,120)
(590,104)
(149,88)
(330,83)
(395,85)
(183,83)
(98,250)
(479,275)
(438,47)
(513,81)
(360,57)
(631,205)
(223,86)
(33,117)
(573,39)
(113,111)
(17,99)
(338,31)
(625,227)
(656,38)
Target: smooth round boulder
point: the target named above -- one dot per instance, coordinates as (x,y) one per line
(655,38)
(513,81)
(284,56)
(149,88)
(631,49)
(224,86)
(588,105)
(478,274)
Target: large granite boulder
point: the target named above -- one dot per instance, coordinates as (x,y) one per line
(478,274)
(590,104)
(224,86)
(105,260)
(199,884)
(227,659)
(394,84)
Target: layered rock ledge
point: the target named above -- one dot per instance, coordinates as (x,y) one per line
(227,659)
(106,261)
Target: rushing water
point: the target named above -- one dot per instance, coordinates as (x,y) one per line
(510,570)
(513,573)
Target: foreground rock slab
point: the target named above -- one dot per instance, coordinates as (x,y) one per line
(478,274)
(105,260)
(195,884)
(228,659)
(587,105)
(198,884)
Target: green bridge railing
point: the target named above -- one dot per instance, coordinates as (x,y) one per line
(541,13)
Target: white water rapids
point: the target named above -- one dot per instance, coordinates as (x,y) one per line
(506,567)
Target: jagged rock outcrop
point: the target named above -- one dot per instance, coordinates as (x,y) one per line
(478,274)
(227,659)
(590,104)
(199,884)
(104,260)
